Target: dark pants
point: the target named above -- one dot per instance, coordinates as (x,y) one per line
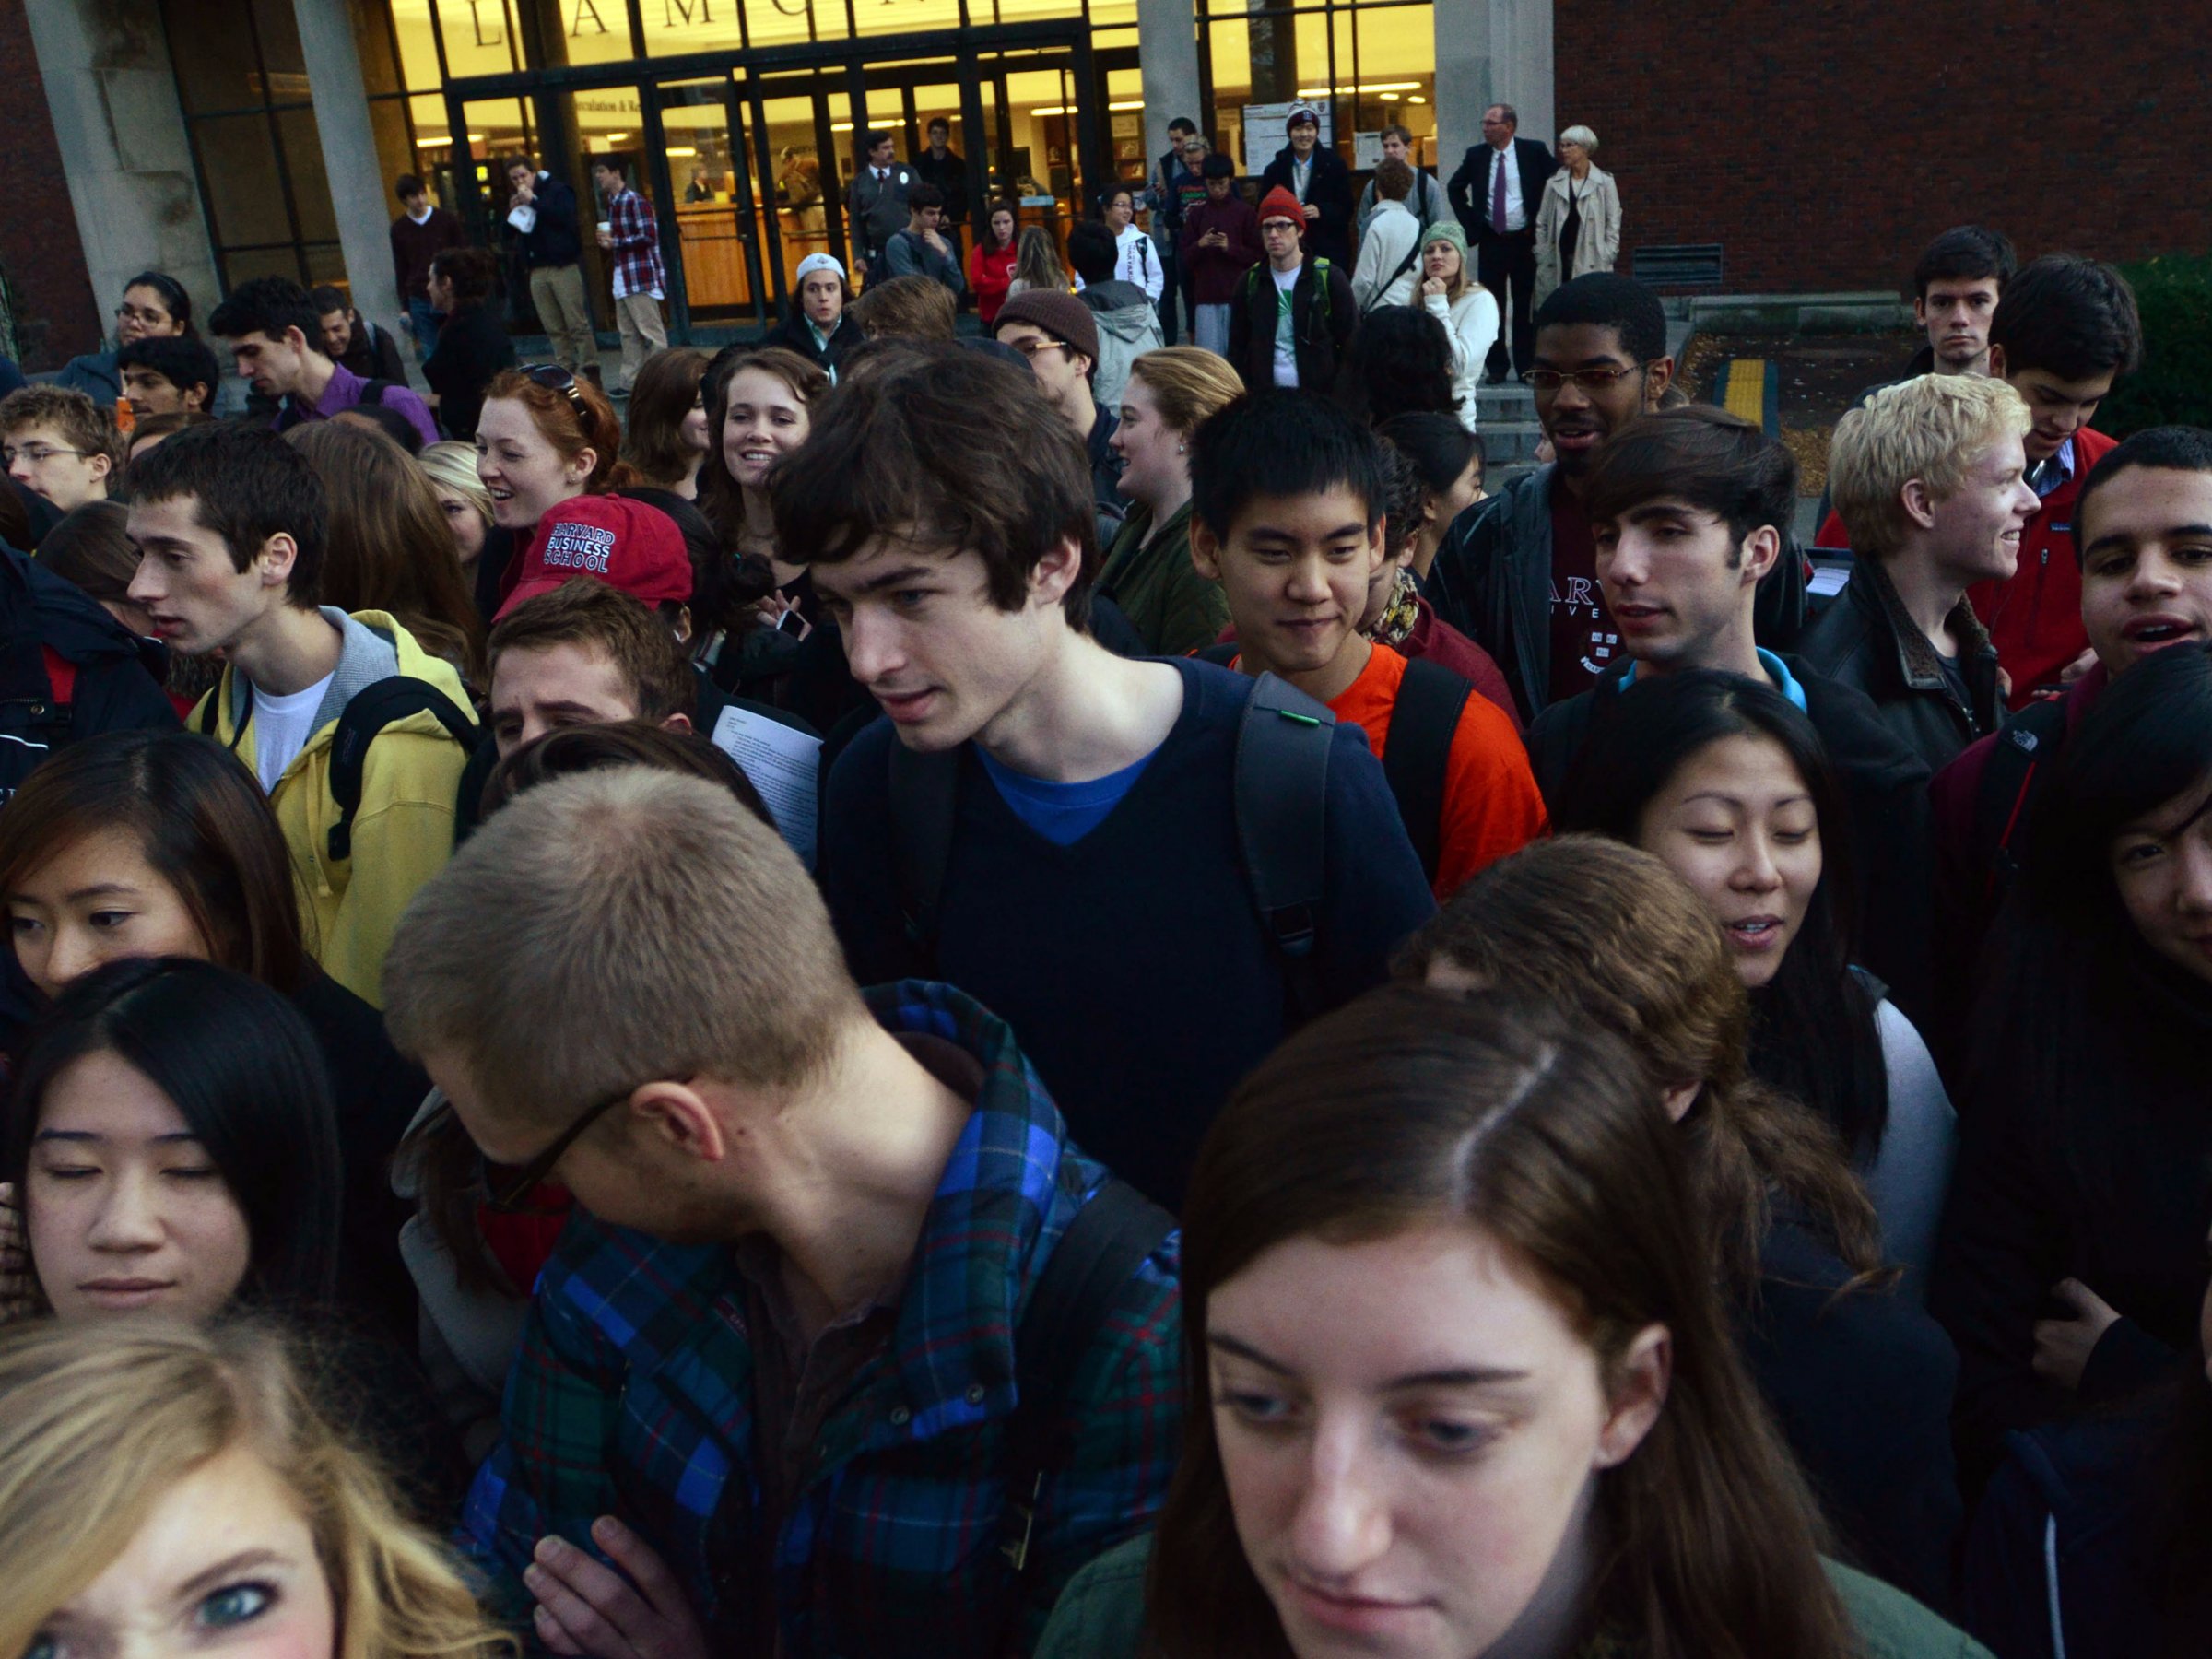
(1170,290)
(1503,261)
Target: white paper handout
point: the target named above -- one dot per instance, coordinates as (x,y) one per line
(782,763)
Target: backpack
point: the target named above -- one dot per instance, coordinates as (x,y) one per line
(1322,303)
(1102,1250)
(2007,783)
(372,707)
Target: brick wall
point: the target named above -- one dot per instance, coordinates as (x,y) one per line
(39,242)
(1824,142)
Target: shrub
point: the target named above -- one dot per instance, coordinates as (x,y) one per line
(2174,385)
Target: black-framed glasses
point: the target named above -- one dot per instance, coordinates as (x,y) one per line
(1585,380)
(511,1197)
(556,378)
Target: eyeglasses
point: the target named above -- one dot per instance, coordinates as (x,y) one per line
(38,454)
(1035,349)
(511,1197)
(557,379)
(1585,380)
(132,313)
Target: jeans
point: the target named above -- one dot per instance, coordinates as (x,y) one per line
(428,320)
(1209,328)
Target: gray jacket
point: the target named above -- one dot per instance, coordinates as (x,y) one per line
(1427,203)
(1492,581)
(876,209)
(906,254)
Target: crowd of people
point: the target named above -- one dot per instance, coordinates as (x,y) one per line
(1039,992)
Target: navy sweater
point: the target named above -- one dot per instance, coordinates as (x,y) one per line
(1132,965)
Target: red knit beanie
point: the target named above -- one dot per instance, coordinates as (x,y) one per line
(1279,203)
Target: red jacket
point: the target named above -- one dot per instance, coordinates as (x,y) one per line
(990,271)
(2034,619)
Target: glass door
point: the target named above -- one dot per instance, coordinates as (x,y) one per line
(803,147)
(717,257)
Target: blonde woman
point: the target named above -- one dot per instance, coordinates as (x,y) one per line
(452,470)
(1147,571)
(1578,226)
(1463,306)
(163,1482)
(1037,263)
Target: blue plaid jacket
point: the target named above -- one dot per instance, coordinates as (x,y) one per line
(633,1395)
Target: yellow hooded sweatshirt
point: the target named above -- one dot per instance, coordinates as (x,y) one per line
(402,832)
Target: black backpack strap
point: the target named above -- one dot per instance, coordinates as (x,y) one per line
(925,794)
(1102,1250)
(1223,651)
(373,708)
(210,710)
(2000,799)
(1416,754)
(1405,265)
(1282,786)
(372,392)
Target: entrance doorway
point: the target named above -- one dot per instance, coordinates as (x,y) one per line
(748,158)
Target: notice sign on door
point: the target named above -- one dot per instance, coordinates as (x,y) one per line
(1266,130)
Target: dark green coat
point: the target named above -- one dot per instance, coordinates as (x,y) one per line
(1175,610)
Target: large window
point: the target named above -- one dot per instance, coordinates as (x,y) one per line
(1370,65)
(243,85)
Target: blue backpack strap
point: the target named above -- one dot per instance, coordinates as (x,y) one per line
(1416,754)
(1282,787)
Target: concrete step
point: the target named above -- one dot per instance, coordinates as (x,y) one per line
(1509,401)
(1507,442)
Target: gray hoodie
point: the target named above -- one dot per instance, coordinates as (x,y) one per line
(1128,327)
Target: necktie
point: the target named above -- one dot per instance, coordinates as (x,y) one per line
(1497,196)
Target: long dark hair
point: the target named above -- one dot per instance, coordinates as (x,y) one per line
(741,581)
(1813,1032)
(2077,1009)
(200,821)
(246,1075)
(1399,362)
(1408,1108)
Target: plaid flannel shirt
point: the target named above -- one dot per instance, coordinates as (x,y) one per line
(637,247)
(633,1395)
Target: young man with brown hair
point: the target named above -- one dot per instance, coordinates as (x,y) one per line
(846,1339)
(584,654)
(1092,887)
(59,445)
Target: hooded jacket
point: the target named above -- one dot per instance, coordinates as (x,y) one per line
(1492,581)
(402,832)
(1128,327)
(1867,640)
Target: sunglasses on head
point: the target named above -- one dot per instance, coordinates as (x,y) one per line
(554,378)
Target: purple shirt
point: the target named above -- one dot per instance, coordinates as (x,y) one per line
(344,392)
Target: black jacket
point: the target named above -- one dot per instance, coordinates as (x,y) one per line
(1492,581)
(1866,640)
(1469,190)
(472,348)
(555,239)
(1320,341)
(795,333)
(950,176)
(1860,1385)
(1329,189)
(1885,790)
(373,354)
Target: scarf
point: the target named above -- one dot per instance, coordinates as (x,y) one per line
(1402,614)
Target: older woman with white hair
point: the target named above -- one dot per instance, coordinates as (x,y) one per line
(1577,224)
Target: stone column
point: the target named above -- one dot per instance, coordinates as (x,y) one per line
(1521,43)
(359,190)
(1167,48)
(128,164)
(1489,51)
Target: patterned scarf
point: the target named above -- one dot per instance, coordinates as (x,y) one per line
(1401,614)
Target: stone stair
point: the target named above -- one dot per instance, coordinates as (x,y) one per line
(1506,418)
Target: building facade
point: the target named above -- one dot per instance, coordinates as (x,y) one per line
(220,139)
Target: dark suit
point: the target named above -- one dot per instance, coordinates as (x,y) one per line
(1329,190)
(1507,259)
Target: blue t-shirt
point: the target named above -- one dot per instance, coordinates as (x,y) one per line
(1063,813)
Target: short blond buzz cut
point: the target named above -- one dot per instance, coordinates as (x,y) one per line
(613,929)
(1930,428)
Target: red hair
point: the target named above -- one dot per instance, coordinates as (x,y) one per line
(572,427)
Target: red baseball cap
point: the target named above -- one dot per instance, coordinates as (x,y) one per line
(623,543)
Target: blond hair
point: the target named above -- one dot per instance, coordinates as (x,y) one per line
(1188,384)
(1931,427)
(100,1419)
(452,466)
(613,929)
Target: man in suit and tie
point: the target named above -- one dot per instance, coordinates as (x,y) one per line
(1494,193)
(876,205)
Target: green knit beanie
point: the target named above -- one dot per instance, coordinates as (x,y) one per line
(1446,230)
